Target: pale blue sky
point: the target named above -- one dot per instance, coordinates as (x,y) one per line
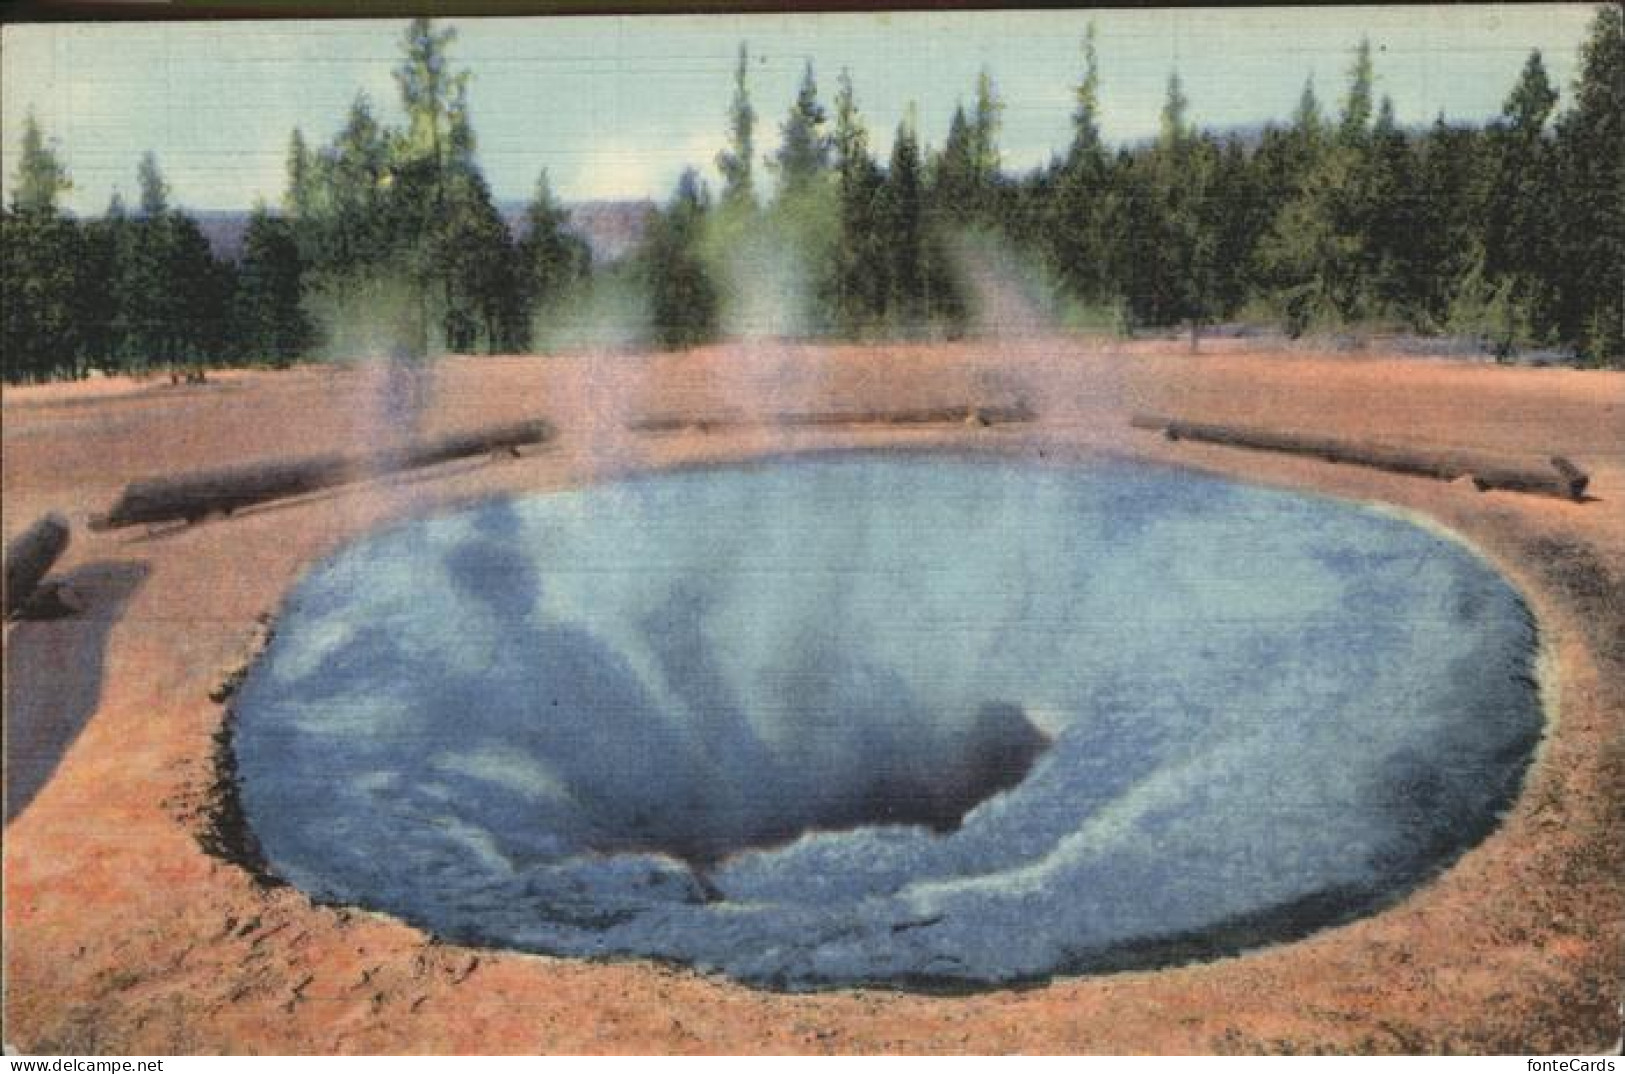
(615,106)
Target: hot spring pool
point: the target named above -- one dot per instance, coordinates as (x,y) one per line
(877,719)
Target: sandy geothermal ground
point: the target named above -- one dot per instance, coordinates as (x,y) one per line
(123,934)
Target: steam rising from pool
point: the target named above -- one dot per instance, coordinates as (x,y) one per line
(880,719)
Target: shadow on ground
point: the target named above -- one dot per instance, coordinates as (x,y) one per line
(54,669)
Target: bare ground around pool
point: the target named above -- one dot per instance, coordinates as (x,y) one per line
(123,934)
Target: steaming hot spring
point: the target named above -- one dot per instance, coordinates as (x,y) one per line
(892,720)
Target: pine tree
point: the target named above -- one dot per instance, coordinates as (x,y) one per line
(954,191)
(40,178)
(429,88)
(1174,126)
(142,288)
(1391,218)
(474,251)
(1355,125)
(154,199)
(1078,198)
(965,177)
(902,223)
(551,258)
(199,291)
(1182,282)
(1446,233)
(986,122)
(353,230)
(1237,212)
(425,232)
(1590,254)
(94,286)
(682,297)
(804,148)
(269,319)
(1086,147)
(1522,196)
(1313,257)
(860,278)
(735,162)
(1307,118)
(300,200)
(172,295)
(40,316)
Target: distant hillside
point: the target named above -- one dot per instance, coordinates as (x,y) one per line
(612,229)
(224,228)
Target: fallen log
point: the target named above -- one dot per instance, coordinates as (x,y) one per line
(1563,480)
(1577,478)
(193,497)
(961,414)
(1566,482)
(495,440)
(29,558)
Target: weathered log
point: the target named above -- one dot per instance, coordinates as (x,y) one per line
(29,557)
(495,440)
(1563,480)
(1577,478)
(192,497)
(1537,482)
(960,414)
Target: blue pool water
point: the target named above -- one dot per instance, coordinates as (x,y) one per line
(880,719)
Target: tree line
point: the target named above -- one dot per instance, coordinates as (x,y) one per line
(1510,235)
(386,238)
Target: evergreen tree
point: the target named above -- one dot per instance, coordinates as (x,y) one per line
(986,122)
(1390,219)
(1519,211)
(143,293)
(351,228)
(804,148)
(39,322)
(1079,195)
(682,297)
(1178,281)
(1237,211)
(1590,255)
(94,283)
(201,289)
(475,251)
(173,296)
(425,233)
(429,91)
(1086,144)
(154,189)
(40,318)
(301,196)
(270,323)
(40,179)
(551,258)
(1307,118)
(1174,125)
(954,191)
(860,280)
(965,177)
(1446,224)
(902,225)
(1313,257)
(1358,103)
(735,162)
(302,202)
